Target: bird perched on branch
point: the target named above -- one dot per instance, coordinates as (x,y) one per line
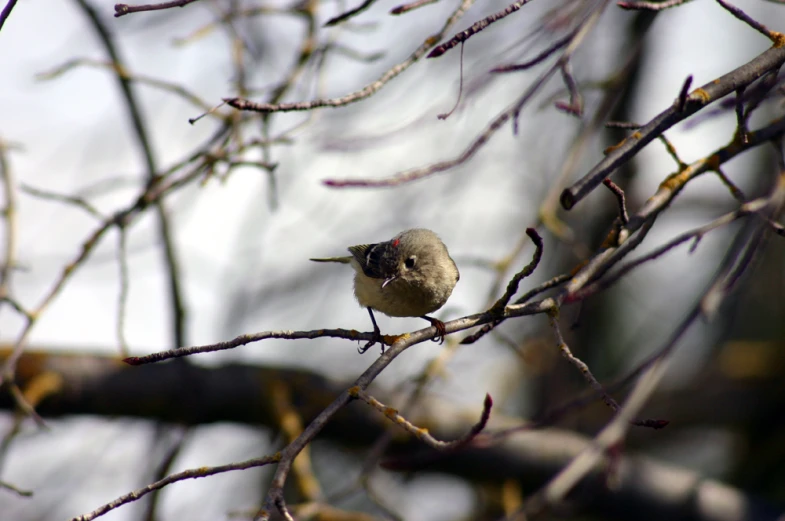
(410,275)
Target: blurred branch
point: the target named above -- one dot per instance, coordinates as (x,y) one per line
(16,490)
(350,13)
(72,200)
(165,465)
(120,71)
(99,385)
(736,262)
(171,263)
(612,435)
(511,113)
(405,8)
(290,423)
(146,198)
(9,214)
(365,92)
(564,349)
(122,299)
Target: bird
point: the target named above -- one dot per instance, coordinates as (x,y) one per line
(411,275)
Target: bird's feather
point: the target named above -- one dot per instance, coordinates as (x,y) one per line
(342,260)
(374,259)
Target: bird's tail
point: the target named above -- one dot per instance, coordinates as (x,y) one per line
(342,260)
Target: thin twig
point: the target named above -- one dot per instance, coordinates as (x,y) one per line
(565,351)
(575,107)
(124,9)
(421,433)
(544,55)
(365,92)
(527,270)
(16,490)
(122,304)
(741,119)
(683,93)
(476,28)
(405,8)
(11,224)
(166,86)
(460,90)
(750,208)
(511,113)
(778,39)
(487,328)
(350,13)
(619,193)
(72,200)
(651,6)
(201,472)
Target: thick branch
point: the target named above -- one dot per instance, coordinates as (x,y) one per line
(772,59)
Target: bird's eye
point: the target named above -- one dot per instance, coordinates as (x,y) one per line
(410,262)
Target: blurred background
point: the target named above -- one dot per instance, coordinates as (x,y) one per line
(253,208)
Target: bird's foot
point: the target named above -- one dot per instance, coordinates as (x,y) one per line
(440,328)
(377,337)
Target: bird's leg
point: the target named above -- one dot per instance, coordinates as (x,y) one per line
(440,328)
(377,336)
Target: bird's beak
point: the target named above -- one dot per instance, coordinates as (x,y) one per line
(387,281)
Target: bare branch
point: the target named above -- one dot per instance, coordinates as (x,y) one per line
(619,193)
(349,14)
(550,284)
(171,263)
(6,12)
(772,59)
(405,8)
(778,39)
(122,262)
(16,490)
(11,223)
(421,433)
(124,9)
(73,200)
(527,270)
(365,92)
(564,349)
(349,334)
(201,472)
(510,113)
(476,28)
(683,93)
(651,6)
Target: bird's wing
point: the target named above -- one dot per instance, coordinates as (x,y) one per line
(369,257)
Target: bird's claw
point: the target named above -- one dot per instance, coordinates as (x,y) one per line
(377,337)
(441,329)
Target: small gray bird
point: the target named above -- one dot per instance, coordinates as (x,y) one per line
(409,276)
